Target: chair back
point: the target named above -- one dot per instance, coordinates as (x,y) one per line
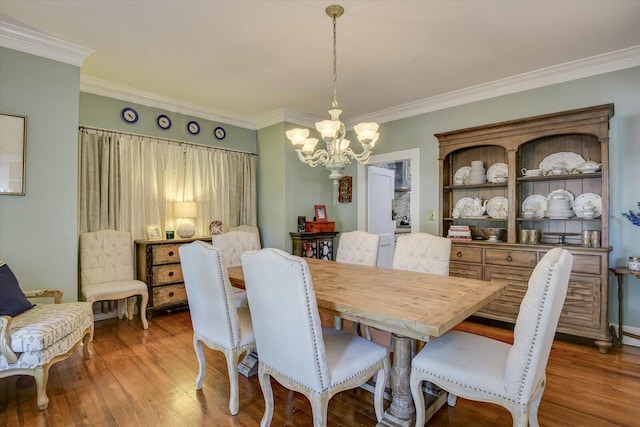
(423,253)
(249,229)
(536,324)
(211,303)
(285,316)
(106,256)
(233,244)
(358,247)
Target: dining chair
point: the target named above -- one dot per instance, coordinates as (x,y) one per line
(422,252)
(483,369)
(231,246)
(357,247)
(107,271)
(248,228)
(294,349)
(217,322)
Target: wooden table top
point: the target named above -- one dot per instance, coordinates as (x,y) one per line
(416,305)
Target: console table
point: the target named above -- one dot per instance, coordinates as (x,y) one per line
(620,272)
(318,245)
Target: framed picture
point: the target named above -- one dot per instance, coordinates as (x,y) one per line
(153,232)
(13,139)
(321,213)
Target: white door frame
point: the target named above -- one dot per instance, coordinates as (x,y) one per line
(414,207)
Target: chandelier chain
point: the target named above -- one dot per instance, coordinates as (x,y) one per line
(335,69)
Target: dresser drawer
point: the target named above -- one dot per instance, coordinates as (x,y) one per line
(169,295)
(165,254)
(512,258)
(466,254)
(465,270)
(164,274)
(586,264)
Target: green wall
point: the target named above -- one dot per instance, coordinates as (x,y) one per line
(39,231)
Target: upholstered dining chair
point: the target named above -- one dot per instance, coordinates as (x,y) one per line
(217,322)
(231,246)
(294,349)
(422,252)
(249,229)
(482,369)
(357,247)
(107,270)
(34,337)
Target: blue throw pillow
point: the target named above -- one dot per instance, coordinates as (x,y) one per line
(12,300)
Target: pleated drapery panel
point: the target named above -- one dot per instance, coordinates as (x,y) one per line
(128,182)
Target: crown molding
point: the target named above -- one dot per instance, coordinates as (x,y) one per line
(125,93)
(587,67)
(39,44)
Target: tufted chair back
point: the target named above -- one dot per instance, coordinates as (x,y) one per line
(423,253)
(249,229)
(536,324)
(233,244)
(105,256)
(285,316)
(358,247)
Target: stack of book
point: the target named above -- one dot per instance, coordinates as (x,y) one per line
(459,232)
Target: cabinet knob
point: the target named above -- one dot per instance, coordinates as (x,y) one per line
(171,293)
(459,254)
(170,253)
(509,258)
(171,273)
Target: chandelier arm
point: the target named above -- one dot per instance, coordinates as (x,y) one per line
(362,157)
(318,157)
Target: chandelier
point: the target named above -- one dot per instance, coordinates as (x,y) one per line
(337,153)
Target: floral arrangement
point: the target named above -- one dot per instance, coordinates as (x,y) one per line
(633,217)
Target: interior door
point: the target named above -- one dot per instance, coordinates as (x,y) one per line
(379,200)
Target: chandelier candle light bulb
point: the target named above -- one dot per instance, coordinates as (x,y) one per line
(337,153)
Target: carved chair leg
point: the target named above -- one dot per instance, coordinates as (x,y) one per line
(202,364)
(131,301)
(232,368)
(267,392)
(41,374)
(319,406)
(418,400)
(143,310)
(87,344)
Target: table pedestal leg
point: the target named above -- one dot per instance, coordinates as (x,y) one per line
(402,412)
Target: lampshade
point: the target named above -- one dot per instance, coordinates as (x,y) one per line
(185,210)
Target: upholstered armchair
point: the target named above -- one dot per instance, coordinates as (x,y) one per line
(294,349)
(107,270)
(34,337)
(482,369)
(217,322)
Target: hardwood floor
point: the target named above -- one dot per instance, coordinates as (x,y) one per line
(146,378)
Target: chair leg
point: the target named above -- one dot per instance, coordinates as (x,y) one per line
(452,399)
(378,397)
(337,323)
(418,399)
(143,310)
(319,406)
(41,374)
(232,357)
(202,364)
(535,404)
(87,344)
(267,392)
(131,301)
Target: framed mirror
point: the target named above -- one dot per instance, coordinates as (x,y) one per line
(13,140)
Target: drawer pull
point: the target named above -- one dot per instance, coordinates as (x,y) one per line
(509,258)
(171,293)
(170,253)
(459,254)
(171,273)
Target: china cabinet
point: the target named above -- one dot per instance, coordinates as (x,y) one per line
(557,170)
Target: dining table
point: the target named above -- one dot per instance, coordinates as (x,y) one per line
(410,305)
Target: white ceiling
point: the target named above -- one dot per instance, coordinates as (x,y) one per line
(243,60)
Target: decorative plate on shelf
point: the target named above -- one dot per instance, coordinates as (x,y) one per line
(565,160)
(586,199)
(561,193)
(498,207)
(535,203)
(498,172)
(462,175)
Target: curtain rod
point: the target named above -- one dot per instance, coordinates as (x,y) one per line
(174,141)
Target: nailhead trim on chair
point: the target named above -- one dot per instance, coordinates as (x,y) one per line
(227,310)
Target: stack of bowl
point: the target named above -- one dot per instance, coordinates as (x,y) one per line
(477,174)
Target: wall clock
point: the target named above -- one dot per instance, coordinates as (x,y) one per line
(193,128)
(129,115)
(163,121)
(219,132)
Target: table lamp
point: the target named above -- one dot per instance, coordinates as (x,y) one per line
(184,211)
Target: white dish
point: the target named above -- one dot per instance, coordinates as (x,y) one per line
(535,203)
(581,200)
(498,172)
(565,160)
(462,174)
(561,194)
(498,207)
(466,206)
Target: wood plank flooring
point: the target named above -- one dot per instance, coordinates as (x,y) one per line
(146,378)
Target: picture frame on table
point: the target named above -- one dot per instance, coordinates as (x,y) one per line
(13,141)
(321,213)
(153,232)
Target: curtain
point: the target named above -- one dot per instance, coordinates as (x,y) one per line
(128,182)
